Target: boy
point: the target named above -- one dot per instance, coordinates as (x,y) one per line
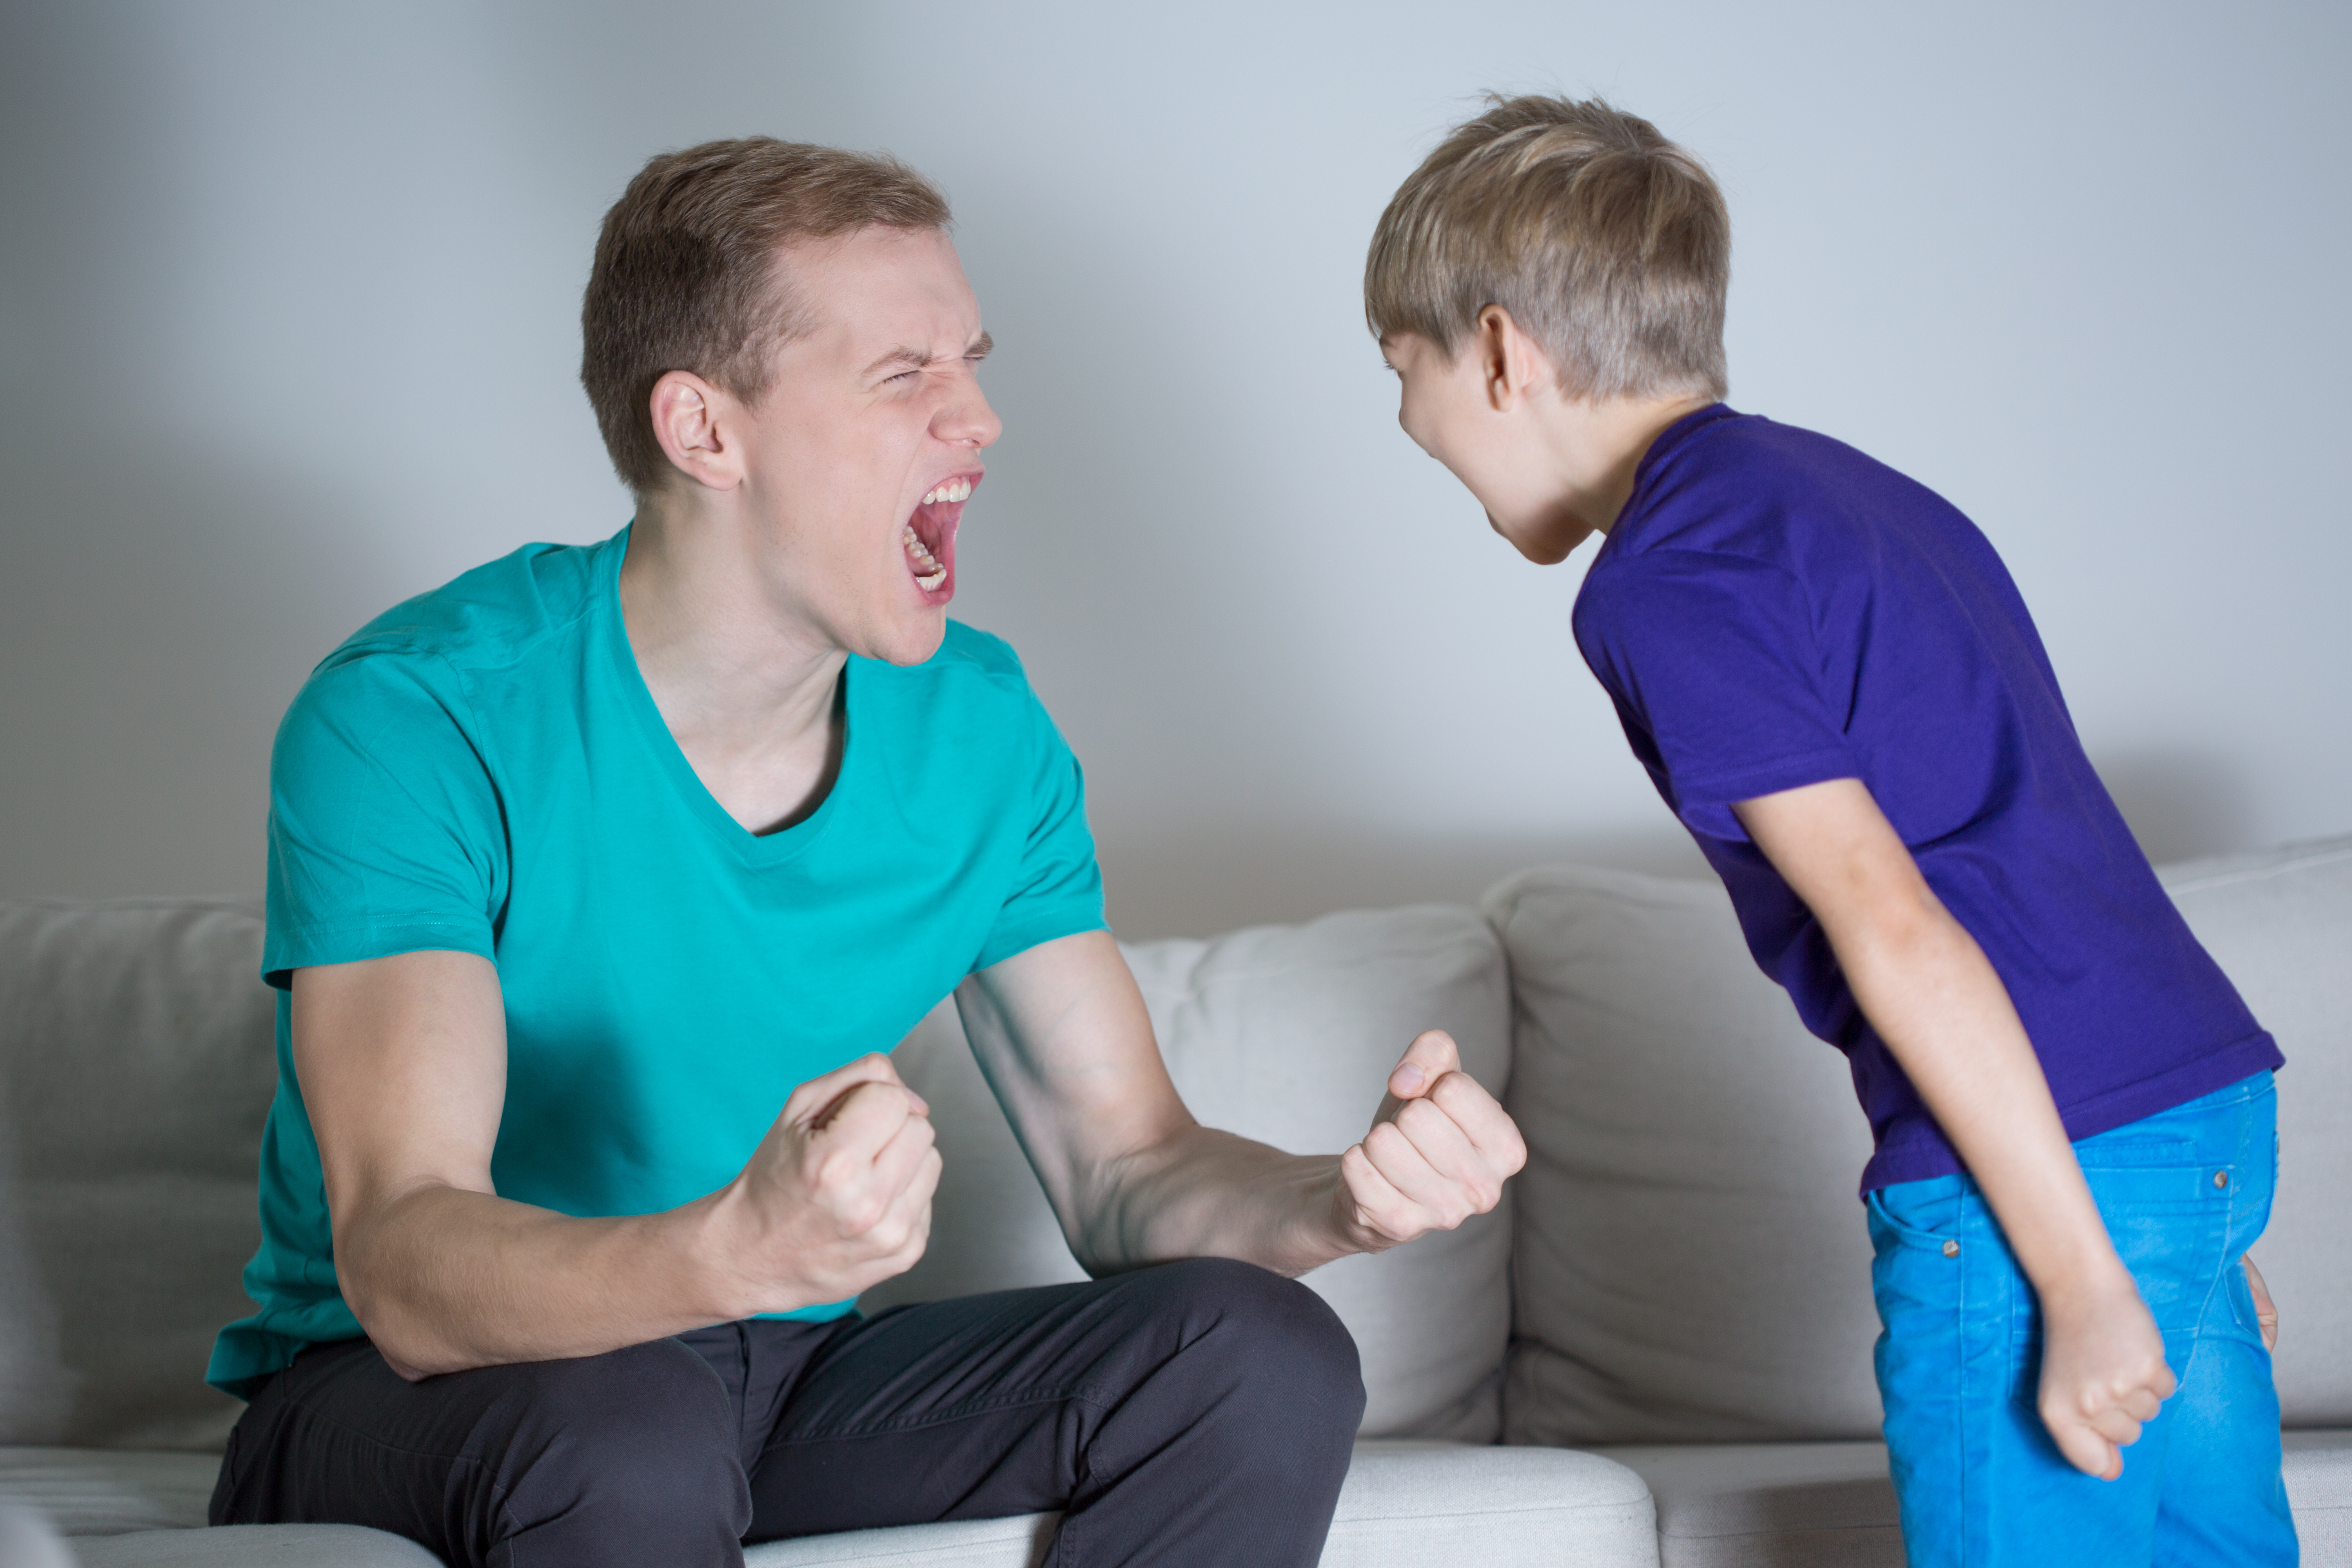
(1835,686)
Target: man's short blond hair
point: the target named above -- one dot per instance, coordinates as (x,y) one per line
(1606,243)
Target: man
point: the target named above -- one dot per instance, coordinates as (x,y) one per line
(585,864)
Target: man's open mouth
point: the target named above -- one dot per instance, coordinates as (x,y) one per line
(928,538)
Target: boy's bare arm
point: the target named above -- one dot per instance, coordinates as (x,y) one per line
(1937,1003)
(401,1064)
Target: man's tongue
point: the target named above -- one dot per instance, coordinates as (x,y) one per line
(925,540)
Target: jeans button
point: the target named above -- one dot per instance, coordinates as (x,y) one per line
(1951,1249)
(2221,1178)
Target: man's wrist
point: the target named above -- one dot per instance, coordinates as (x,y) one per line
(713,1238)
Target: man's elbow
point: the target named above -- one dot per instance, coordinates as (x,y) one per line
(404,1335)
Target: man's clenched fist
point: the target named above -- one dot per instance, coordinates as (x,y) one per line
(837,1197)
(1439,1152)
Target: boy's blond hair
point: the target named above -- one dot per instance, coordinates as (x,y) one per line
(1605,242)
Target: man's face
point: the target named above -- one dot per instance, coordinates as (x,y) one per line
(1448,407)
(860,455)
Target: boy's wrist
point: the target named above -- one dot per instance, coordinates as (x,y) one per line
(2086,1287)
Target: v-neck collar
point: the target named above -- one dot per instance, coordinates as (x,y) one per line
(754,848)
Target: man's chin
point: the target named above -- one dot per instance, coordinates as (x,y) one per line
(911,639)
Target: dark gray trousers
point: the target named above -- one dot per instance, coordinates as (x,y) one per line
(1195,1413)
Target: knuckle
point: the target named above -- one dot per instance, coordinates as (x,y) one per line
(1457,1089)
(861,1212)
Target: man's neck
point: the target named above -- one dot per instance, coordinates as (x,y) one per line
(745,683)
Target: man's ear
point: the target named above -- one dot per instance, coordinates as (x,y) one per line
(699,429)
(1509,361)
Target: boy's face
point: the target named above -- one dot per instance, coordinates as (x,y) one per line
(1474,413)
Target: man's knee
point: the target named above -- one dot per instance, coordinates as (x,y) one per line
(641,1440)
(1267,1341)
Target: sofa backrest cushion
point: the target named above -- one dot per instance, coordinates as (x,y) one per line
(137,1060)
(2280,924)
(1691,1263)
(1286,1035)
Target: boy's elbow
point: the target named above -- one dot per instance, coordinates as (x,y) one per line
(1894,919)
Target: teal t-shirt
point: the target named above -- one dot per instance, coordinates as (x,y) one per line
(482,769)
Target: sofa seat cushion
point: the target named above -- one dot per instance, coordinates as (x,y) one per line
(2319,1489)
(1759,1505)
(109,1491)
(1435,1505)
(1404,1505)
(256,1546)
(1830,1505)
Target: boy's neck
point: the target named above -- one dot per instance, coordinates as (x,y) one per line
(1597,450)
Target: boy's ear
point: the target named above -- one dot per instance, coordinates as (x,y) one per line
(1509,361)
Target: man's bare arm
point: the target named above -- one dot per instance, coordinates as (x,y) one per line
(1928,990)
(401,1063)
(1064,1038)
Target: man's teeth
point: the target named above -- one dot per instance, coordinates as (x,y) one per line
(954,490)
(928,572)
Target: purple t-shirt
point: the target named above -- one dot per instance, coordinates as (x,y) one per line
(1773,609)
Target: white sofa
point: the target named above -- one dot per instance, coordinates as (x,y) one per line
(1657,1353)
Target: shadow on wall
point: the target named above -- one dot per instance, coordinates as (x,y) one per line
(158,612)
(1200,883)
(2180,804)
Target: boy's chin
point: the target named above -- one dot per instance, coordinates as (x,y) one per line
(1547,543)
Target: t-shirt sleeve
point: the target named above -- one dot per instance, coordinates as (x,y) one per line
(1058,889)
(385,833)
(1715,665)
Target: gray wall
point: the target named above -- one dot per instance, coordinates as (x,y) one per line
(288,327)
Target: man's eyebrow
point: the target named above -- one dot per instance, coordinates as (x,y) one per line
(902,358)
(908,357)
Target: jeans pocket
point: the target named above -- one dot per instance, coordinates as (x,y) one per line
(1926,1215)
(2172,1228)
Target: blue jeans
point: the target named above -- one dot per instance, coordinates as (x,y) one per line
(2184,1193)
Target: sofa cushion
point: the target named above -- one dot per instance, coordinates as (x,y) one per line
(1284,1033)
(2319,1489)
(136,1066)
(2280,924)
(1830,1505)
(1691,1263)
(1427,1505)
(1761,1505)
(1403,1505)
(257,1546)
(110,1491)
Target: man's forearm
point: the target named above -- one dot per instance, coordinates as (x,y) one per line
(444,1279)
(1206,1194)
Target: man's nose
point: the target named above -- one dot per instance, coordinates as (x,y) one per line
(968,420)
